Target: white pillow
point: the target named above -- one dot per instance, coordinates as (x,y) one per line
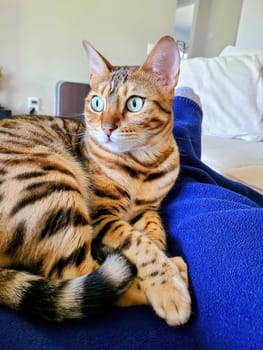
(231,93)
(231,50)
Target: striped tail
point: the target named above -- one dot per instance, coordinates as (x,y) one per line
(66,299)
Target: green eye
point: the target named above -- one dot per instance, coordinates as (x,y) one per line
(135,104)
(97,104)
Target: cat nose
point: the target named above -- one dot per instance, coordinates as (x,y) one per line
(108,128)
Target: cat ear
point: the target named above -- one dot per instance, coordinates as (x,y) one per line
(163,63)
(98,65)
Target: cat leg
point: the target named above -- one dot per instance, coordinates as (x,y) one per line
(135,294)
(72,257)
(151,223)
(64,285)
(159,277)
(182,267)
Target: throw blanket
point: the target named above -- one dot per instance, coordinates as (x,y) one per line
(217,225)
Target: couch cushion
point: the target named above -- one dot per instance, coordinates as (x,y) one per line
(231,93)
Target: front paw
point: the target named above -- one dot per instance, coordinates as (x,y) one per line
(182,267)
(168,294)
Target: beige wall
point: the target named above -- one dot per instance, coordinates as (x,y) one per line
(250,31)
(40,41)
(216,25)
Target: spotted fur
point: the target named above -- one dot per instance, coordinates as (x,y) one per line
(79,200)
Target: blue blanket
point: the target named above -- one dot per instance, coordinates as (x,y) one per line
(217,225)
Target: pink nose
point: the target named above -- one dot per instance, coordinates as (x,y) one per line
(108,128)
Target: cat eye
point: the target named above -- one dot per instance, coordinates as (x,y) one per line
(97,104)
(135,104)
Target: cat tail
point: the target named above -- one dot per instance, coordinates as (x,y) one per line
(66,299)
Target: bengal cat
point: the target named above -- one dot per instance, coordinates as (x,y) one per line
(79,199)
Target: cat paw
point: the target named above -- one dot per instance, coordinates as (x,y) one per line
(168,294)
(182,267)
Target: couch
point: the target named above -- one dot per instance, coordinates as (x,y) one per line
(230,87)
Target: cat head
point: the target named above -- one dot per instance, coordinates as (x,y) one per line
(129,108)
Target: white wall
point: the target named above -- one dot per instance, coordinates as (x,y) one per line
(40,41)
(183,22)
(215,26)
(250,32)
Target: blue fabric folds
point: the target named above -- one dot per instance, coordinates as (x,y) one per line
(217,225)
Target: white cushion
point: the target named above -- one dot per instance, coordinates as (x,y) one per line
(231,50)
(251,176)
(231,93)
(237,159)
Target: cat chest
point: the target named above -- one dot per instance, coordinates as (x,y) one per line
(131,191)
